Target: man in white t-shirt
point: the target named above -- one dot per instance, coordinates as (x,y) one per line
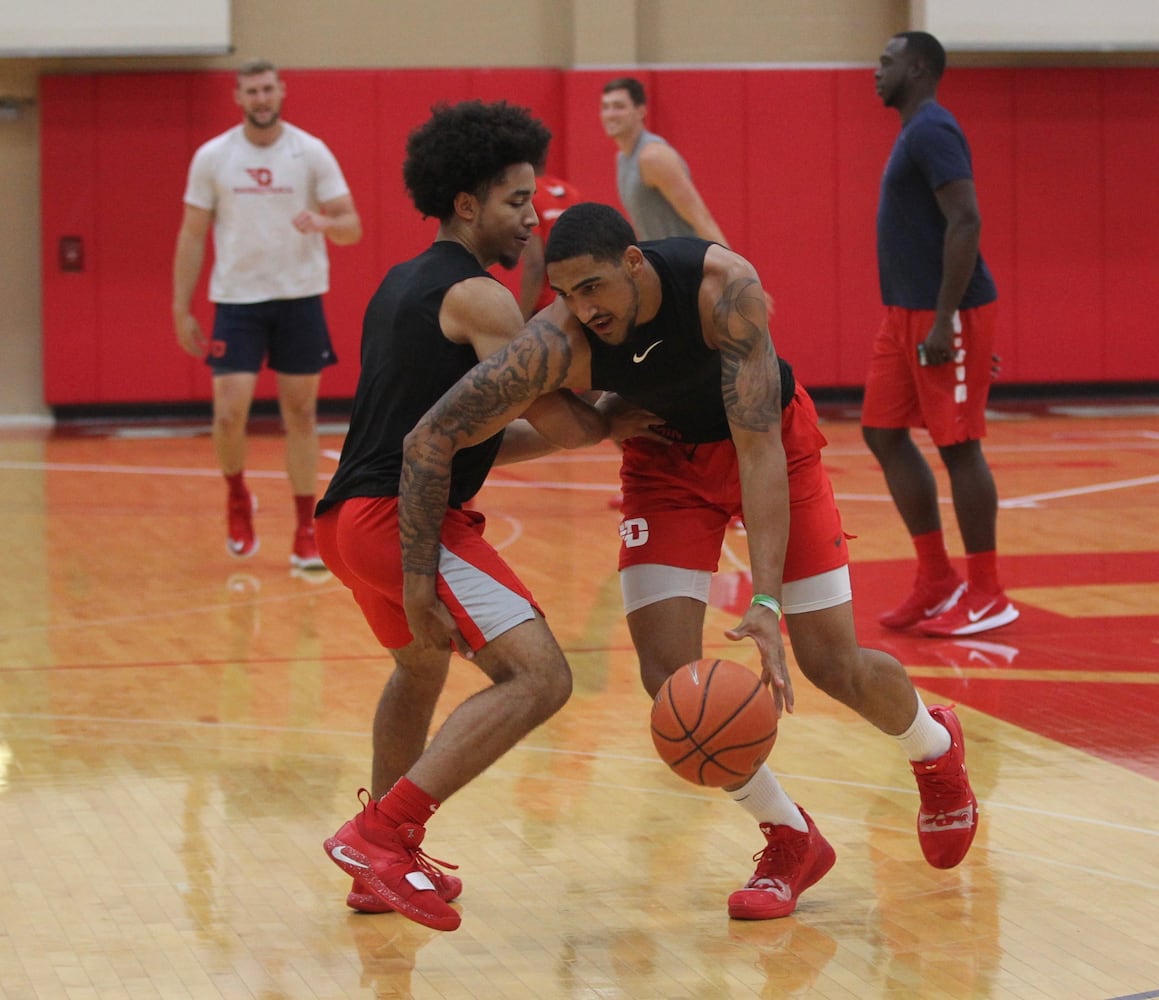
(273,195)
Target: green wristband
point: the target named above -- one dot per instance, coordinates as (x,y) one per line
(765,601)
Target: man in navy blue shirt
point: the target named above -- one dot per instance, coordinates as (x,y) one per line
(933,354)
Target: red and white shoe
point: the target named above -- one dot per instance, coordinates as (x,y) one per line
(973,612)
(240,541)
(304,554)
(926,601)
(790,862)
(948,817)
(388,862)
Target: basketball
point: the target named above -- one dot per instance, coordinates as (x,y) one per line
(714,722)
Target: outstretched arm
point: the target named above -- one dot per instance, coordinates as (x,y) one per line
(734,312)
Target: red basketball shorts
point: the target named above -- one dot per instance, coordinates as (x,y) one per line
(679,499)
(359,542)
(948,400)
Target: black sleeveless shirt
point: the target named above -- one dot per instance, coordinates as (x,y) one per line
(407,364)
(665,366)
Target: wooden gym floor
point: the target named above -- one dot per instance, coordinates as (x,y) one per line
(179,732)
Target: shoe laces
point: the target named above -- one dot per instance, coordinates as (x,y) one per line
(942,793)
(780,857)
(410,838)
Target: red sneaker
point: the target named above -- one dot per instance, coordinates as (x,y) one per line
(973,612)
(927,600)
(241,542)
(790,863)
(449,887)
(304,555)
(948,817)
(387,861)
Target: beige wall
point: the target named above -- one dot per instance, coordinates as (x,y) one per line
(374,33)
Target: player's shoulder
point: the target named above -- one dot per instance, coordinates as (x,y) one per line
(219,143)
(931,122)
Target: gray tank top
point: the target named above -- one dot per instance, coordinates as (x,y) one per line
(652,216)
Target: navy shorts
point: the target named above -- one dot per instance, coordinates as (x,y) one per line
(289,334)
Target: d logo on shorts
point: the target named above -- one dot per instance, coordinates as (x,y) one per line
(634,532)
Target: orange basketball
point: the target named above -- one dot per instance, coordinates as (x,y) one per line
(714,722)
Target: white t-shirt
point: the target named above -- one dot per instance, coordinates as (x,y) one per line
(254,193)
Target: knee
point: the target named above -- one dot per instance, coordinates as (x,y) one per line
(299,419)
(552,690)
(230,418)
(654,673)
(838,676)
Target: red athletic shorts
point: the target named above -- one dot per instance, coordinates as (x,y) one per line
(358,540)
(949,400)
(679,499)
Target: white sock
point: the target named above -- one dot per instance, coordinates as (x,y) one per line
(926,738)
(767,802)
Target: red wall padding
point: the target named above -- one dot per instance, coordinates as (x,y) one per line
(788,160)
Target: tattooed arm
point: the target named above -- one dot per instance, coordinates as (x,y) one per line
(734,316)
(498,390)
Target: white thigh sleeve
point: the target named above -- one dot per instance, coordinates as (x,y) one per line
(651,582)
(815,593)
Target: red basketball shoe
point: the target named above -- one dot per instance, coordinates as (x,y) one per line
(974,612)
(948,817)
(241,540)
(387,861)
(926,601)
(304,554)
(790,863)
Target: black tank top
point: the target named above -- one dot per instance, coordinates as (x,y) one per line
(665,366)
(407,364)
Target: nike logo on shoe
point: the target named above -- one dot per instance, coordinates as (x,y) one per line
(339,854)
(975,616)
(637,358)
(947,603)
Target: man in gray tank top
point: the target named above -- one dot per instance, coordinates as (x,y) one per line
(654,182)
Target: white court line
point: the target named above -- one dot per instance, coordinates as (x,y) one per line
(1030,500)
(127,470)
(1033,499)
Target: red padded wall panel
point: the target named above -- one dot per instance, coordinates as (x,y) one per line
(1070,226)
(138,214)
(68,187)
(1131,223)
(792,213)
(864,137)
(1058,235)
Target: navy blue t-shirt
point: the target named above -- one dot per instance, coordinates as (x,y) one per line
(930,152)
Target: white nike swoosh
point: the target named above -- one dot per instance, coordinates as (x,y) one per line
(648,350)
(975,615)
(339,854)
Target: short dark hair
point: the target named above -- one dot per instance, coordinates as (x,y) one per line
(589,229)
(467,147)
(924,48)
(254,67)
(633,86)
